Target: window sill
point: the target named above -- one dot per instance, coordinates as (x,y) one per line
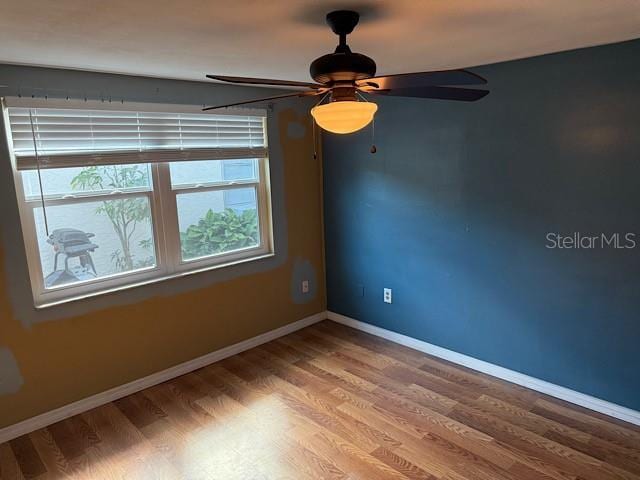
(150,281)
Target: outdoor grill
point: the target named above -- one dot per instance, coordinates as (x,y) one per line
(71,243)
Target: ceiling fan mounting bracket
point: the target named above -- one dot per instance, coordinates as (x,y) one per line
(342,22)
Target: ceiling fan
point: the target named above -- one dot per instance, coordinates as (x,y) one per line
(343,76)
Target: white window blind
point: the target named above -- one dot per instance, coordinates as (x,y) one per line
(77,137)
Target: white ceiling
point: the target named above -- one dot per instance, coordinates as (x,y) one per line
(279,38)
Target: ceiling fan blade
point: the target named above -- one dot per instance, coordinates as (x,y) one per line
(425,79)
(264,81)
(440,93)
(275,97)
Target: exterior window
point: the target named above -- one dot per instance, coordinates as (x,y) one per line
(110,199)
(216,214)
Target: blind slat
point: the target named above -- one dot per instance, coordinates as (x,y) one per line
(90,135)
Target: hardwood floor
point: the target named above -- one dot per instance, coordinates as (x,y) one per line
(329,402)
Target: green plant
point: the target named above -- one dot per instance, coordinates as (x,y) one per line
(125,214)
(220,232)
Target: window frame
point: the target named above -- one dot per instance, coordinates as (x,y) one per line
(162,197)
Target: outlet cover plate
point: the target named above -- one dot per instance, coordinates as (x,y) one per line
(387,296)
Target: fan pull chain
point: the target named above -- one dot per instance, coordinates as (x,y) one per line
(373,148)
(373,136)
(35,151)
(315,143)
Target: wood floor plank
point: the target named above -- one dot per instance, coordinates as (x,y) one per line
(129,453)
(447,370)
(320,408)
(302,462)
(336,366)
(601,450)
(140,410)
(384,418)
(172,444)
(413,450)
(613,432)
(402,465)
(528,420)
(446,388)
(414,393)
(348,457)
(330,402)
(566,458)
(27,457)
(73,436)
(285,352)
(578,409)
(56,463)
(375,344)
(9,468)
(376,359)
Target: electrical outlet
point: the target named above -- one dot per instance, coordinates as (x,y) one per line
(387,296)
(305,286)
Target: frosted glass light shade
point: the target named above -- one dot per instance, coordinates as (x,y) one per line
(344,117)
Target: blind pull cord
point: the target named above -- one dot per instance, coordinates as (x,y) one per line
(35,151)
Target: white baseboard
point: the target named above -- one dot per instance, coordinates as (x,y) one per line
(53,416)
(584,400)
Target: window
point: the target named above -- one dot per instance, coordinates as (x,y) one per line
(113,198)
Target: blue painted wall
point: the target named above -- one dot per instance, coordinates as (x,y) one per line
(453,212)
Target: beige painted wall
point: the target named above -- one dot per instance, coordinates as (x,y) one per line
(67,359)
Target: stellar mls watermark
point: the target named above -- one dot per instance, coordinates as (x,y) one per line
(577,240)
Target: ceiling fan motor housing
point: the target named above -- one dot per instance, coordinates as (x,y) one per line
(342,67)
